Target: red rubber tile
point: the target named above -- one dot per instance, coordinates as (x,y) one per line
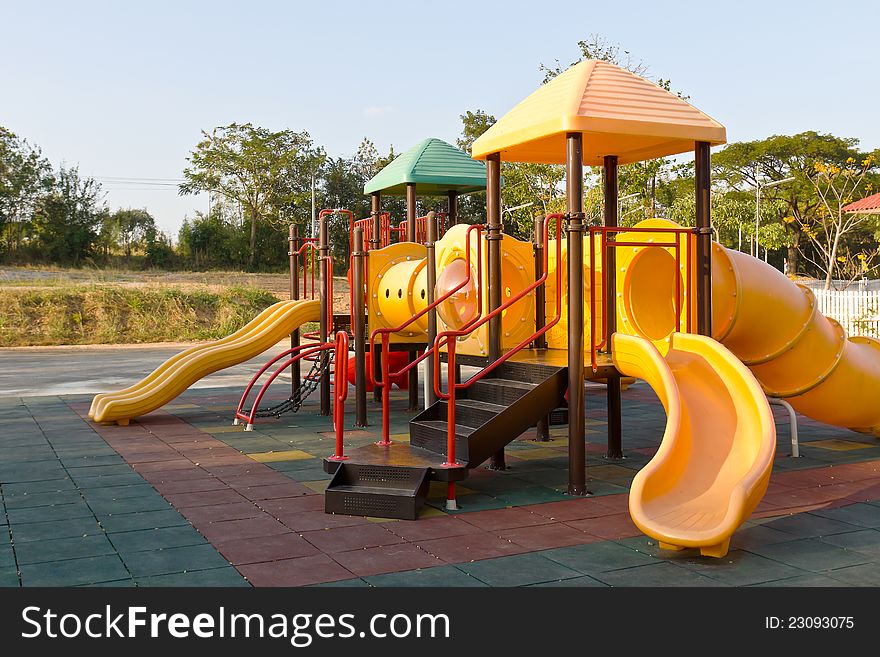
(386,559)
(574,509)
(256,479)
(303,521)
(470,547)
(545,537)
(497,519)
(272,492)
(806,496)
(618,503)
(230,530)
(188,485)
(430,528)
(613,527)
(289,505)
(341,539)
(204,498)
(226,471)
(301,571)
(165,466)
(863,491)
(219,512)
(266,548)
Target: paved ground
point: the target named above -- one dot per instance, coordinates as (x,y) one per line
(181,497)
(29,372)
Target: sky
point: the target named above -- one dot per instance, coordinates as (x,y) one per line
(124,89)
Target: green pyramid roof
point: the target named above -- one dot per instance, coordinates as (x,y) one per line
(435,167)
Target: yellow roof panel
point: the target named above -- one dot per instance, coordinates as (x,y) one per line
(618,112)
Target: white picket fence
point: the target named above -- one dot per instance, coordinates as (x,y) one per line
(857,307)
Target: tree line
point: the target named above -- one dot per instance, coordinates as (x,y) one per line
(259,181)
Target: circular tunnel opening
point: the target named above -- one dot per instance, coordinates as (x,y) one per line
(649,293)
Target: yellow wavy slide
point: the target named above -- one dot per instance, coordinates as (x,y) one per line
(179,372)
(714,462)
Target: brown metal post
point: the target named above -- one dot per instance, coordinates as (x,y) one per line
(543,426)
(359,329)
(452,209)
(413,376)
(702,180)
(293,253)
(325,273)
(614,449)
(574,187)
(376,215)
(431,264)
(411,208)
(494,236)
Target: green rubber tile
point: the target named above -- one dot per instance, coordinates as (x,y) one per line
(861,575)
(811,554)
(59,549)
(79,474)
(342,583)
(42,531)
(28,454)
(47,498)
(584,581)
(658,574)
(30,487)
(598,557)
(8,576)
(531,495)
(517,570)
(156,539)
(469,503)
(90,570)
(151,502)
(862,515)
(108,481)
(811,579)
(115,584)
(740,568)
(124,522)
(174,560)
(74,463)
(437,576)
(864,541)
(119,492)
(78,509)
(7,555)
(807,525)
(226,576)
(38,471)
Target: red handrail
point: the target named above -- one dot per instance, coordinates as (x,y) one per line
(313,250)
(605,244)
(340,384)
(451,335)
(385,333)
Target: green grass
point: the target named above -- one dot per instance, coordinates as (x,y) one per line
(108,314)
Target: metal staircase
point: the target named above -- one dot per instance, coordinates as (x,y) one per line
(392,481)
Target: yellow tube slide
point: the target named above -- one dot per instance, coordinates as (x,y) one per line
(182,370)
(714,462)
(770,323)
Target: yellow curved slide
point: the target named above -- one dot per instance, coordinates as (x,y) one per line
(769,322)
(182,370)
(714,462)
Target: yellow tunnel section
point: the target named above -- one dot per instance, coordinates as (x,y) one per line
(398,289)
(770,323)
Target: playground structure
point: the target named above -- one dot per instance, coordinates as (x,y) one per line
(714,332)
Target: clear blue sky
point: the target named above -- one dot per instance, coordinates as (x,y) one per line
(123,88)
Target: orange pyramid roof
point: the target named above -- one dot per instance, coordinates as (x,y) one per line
(618,112)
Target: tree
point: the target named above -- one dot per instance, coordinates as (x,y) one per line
(24,173)
(132,228)
(66,220)
(262,170)
(741,166)
(836,186)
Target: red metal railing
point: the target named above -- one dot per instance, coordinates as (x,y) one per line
(448,338)
(367,226)
(605,244)
(315,258)
(385,333)
(421,228)
(292,355)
